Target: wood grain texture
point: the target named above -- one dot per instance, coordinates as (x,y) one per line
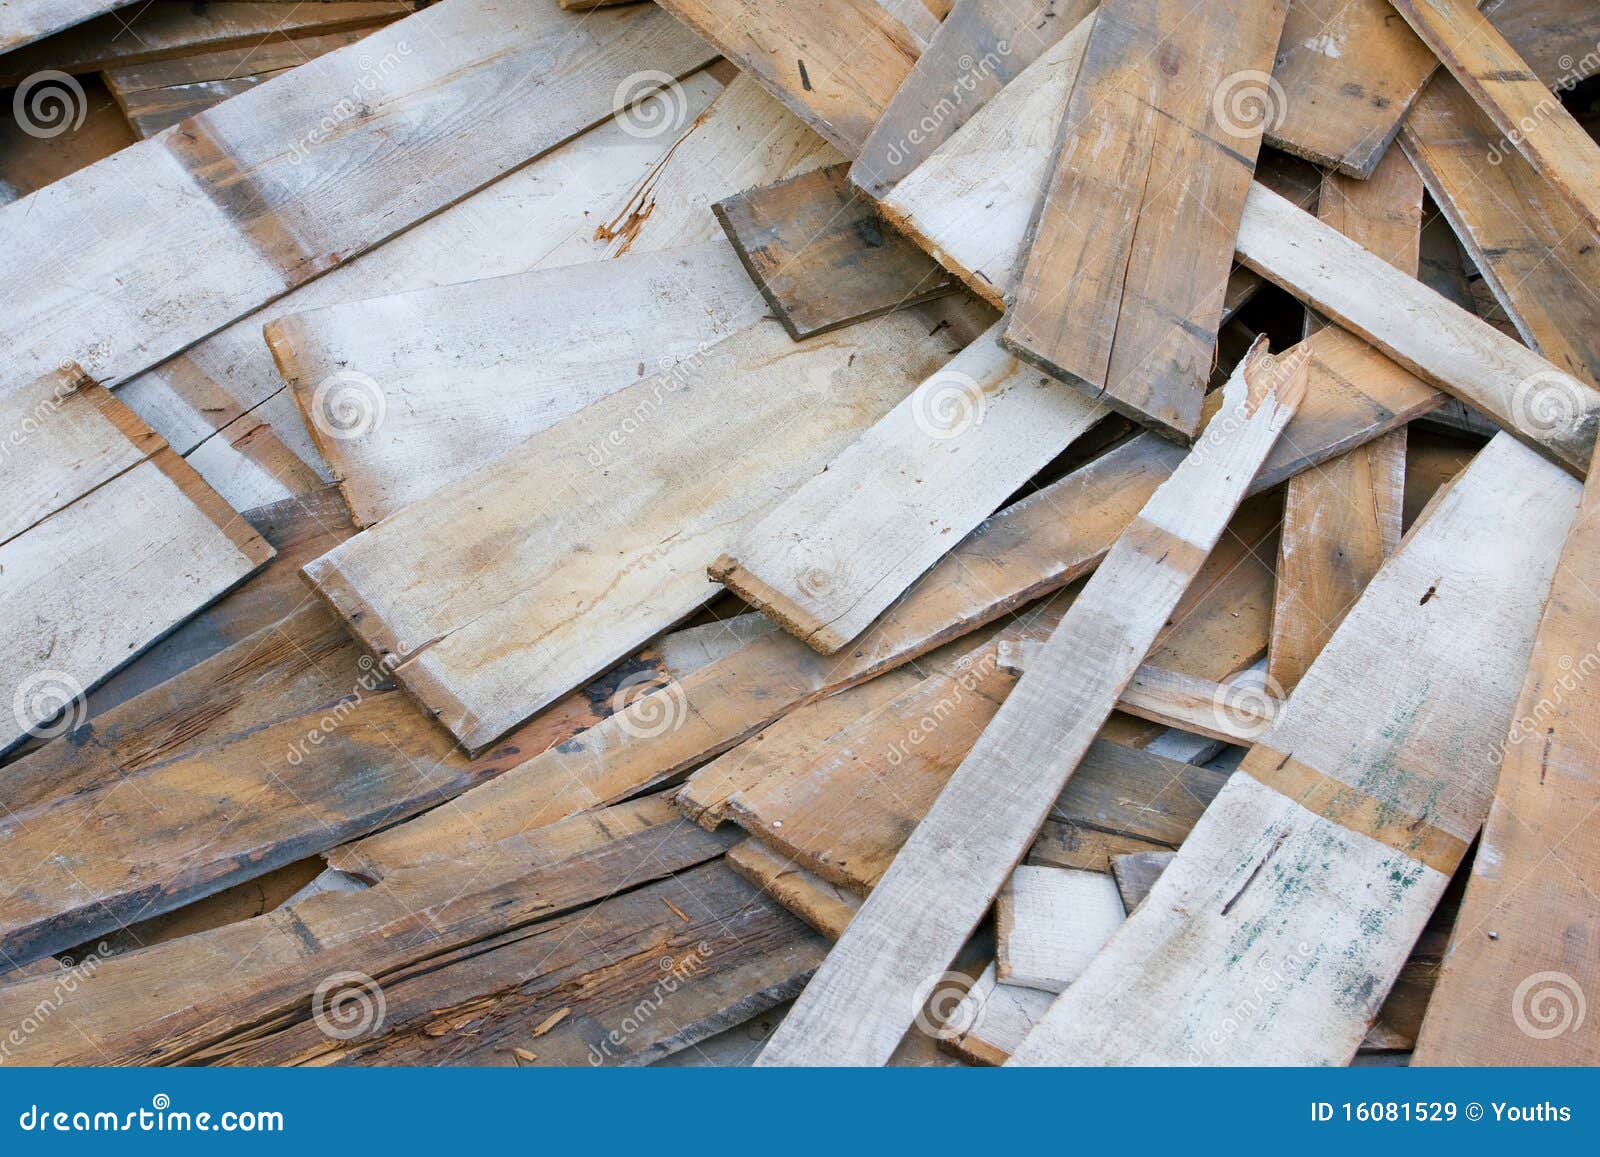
(258,195)
(1440,342)
(821,254)
(1320,862)
(1122,290)
(981,47)
(829,558)
(24,21)
(1522,959)
(1032,548)
(1540,258)
(1346,73)
(404,394)
(109,541)
(1342,520)
(1533,121)
(824,906)
(858,1006)
(477,591)
(1551,36)
(1049,923)
(835,64)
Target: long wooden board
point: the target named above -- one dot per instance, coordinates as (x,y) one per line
(258,195)
(1534,121)
(404,394)
(510,587)
(1318,865)
(25,21)
(1522,960)
(829,558)
(1036,546)
(1122,291)
(109,541)
(1435,339)
(858,1006)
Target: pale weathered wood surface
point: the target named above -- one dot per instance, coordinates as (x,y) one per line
(828,559)
(1440,342)
(258,195)
(24,21)
(857,1007)
(1049,923)
(1320,862)
(514,584)
(1122,291)
(404,394)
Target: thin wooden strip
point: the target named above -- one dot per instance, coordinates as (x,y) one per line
(828,559)
(1541,260)
(256,196)
(476,591)
(1137,873)
(1036,546)
(1534,121)
(1234,712)
(1522,958)
(980,48)
(1122,290)
(857,1007)
(1265,889)
(120,544)
(1440,342)
(1049,923)
(822,256)
(407,393)
(824,906)
(835,65)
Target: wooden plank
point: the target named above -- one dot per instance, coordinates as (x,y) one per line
(475,593)
(980,48)
(237,209)
(1521,960)
(822,256)
(855,1009)
(824,906)
(1233,712)
(1121,293)
(1137,873)
(829,558)
(165,28)
(1036,546)
(1049,923)
(1555,37)
(24,21)
(1337,836)
(407,393)
(1342,520)
(835,65)
(103,505)
(1346,73)
(1534,121)
(1440,342)
(1533,250)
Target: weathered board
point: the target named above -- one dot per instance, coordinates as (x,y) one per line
(1049,923)
(24,21)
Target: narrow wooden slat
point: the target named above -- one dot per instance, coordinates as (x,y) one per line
(1342,520)
(856,1008)
(1121,294)
(113,543)
(1522,960)
(1049,923)
(1534,121)
(24,21)
(477,592)
(825,907)
(828,559)
(980,48)
(834,64)
(1318,865)
(1440,342)
(1137,873)
(256,196)
(822,256)
(1230,712)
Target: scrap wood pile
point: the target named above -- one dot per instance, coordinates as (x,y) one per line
(542,534)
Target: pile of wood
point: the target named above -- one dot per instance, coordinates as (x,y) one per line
(800,531)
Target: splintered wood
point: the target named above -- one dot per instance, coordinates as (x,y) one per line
(799,532)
